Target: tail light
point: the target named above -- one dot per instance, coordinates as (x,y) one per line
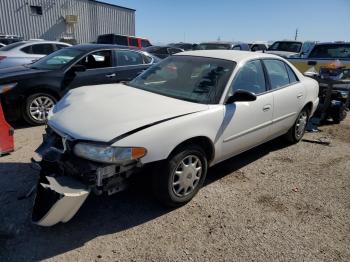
(2,57)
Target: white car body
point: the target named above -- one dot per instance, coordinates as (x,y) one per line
(16,56)
(198,120)
(123,116)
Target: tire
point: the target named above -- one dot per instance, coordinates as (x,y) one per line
(177,172)
(340,115)
(39,116)
(297,131)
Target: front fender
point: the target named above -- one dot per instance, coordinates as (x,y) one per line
(160,140)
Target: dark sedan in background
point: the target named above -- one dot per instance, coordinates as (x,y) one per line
(163,51)
(30,91)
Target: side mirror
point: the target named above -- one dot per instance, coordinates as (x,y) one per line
(78,68)
(241,96)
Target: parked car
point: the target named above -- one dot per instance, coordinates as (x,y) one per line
(163,51)
(130,41)
(26,52)
(9,39)
(322,54)
(181,116)
(30,91)
(184,46)
(223,46)
(286,49)
(258,46)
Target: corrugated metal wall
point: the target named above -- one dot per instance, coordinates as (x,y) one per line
(93,19)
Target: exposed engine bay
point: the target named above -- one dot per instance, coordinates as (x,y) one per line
(66,180)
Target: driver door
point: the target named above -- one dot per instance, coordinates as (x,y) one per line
(100,69)
(247,124)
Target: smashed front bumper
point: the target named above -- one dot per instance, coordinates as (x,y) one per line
(58,199)
(66,180)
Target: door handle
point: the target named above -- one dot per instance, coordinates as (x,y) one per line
(266,108)
(111,75)
(312,63)
(300,96)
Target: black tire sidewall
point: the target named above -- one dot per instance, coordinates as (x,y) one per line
(26,108)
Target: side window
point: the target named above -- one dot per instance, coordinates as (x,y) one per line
(331,51)
(58,46)
(98,59)
(27,49)
(132,41)
(145,43)
(292,77)
(277,73)
(251,78)
(236,47)
(126,58)
(42,49)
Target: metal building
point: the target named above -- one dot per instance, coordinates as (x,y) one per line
(83,20)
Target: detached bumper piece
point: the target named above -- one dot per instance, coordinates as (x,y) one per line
(57,200)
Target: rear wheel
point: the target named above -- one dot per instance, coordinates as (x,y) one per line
(37,107)
(297,131)
(179,179)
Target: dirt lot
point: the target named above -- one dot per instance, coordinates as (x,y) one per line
(273,203)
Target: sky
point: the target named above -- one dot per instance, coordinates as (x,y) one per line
(165,21)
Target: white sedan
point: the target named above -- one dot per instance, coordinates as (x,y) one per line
(27,52)
(181,116)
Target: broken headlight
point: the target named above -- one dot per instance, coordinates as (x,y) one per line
(108,154)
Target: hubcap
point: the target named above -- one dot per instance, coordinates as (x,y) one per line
(301,124)
(40,107)
(187,175)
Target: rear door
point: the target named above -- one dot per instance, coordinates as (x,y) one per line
(288,94)
(247,124)
(129,64)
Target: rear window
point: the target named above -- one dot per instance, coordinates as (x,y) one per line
(286,46)
(112,39)
(11,46)
(331,51)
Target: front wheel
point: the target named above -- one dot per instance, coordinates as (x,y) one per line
(179,179)
(297,131)
(37,107)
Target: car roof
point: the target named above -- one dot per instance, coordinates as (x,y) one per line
(91,47)
(218,42)
(233,55)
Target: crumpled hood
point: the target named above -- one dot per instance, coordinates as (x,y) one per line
(104,112)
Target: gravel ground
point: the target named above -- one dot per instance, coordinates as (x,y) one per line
(272,203)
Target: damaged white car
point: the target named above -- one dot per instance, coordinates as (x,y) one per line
(181,116)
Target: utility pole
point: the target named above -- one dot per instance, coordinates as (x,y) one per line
(296,34)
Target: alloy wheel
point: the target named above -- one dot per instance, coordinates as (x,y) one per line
(187,176)
(40,106)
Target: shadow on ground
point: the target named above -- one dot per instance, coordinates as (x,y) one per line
(98,216)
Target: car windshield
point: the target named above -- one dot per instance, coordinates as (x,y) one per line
(286,46)
(58,59)
(196,79)
(214,46)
